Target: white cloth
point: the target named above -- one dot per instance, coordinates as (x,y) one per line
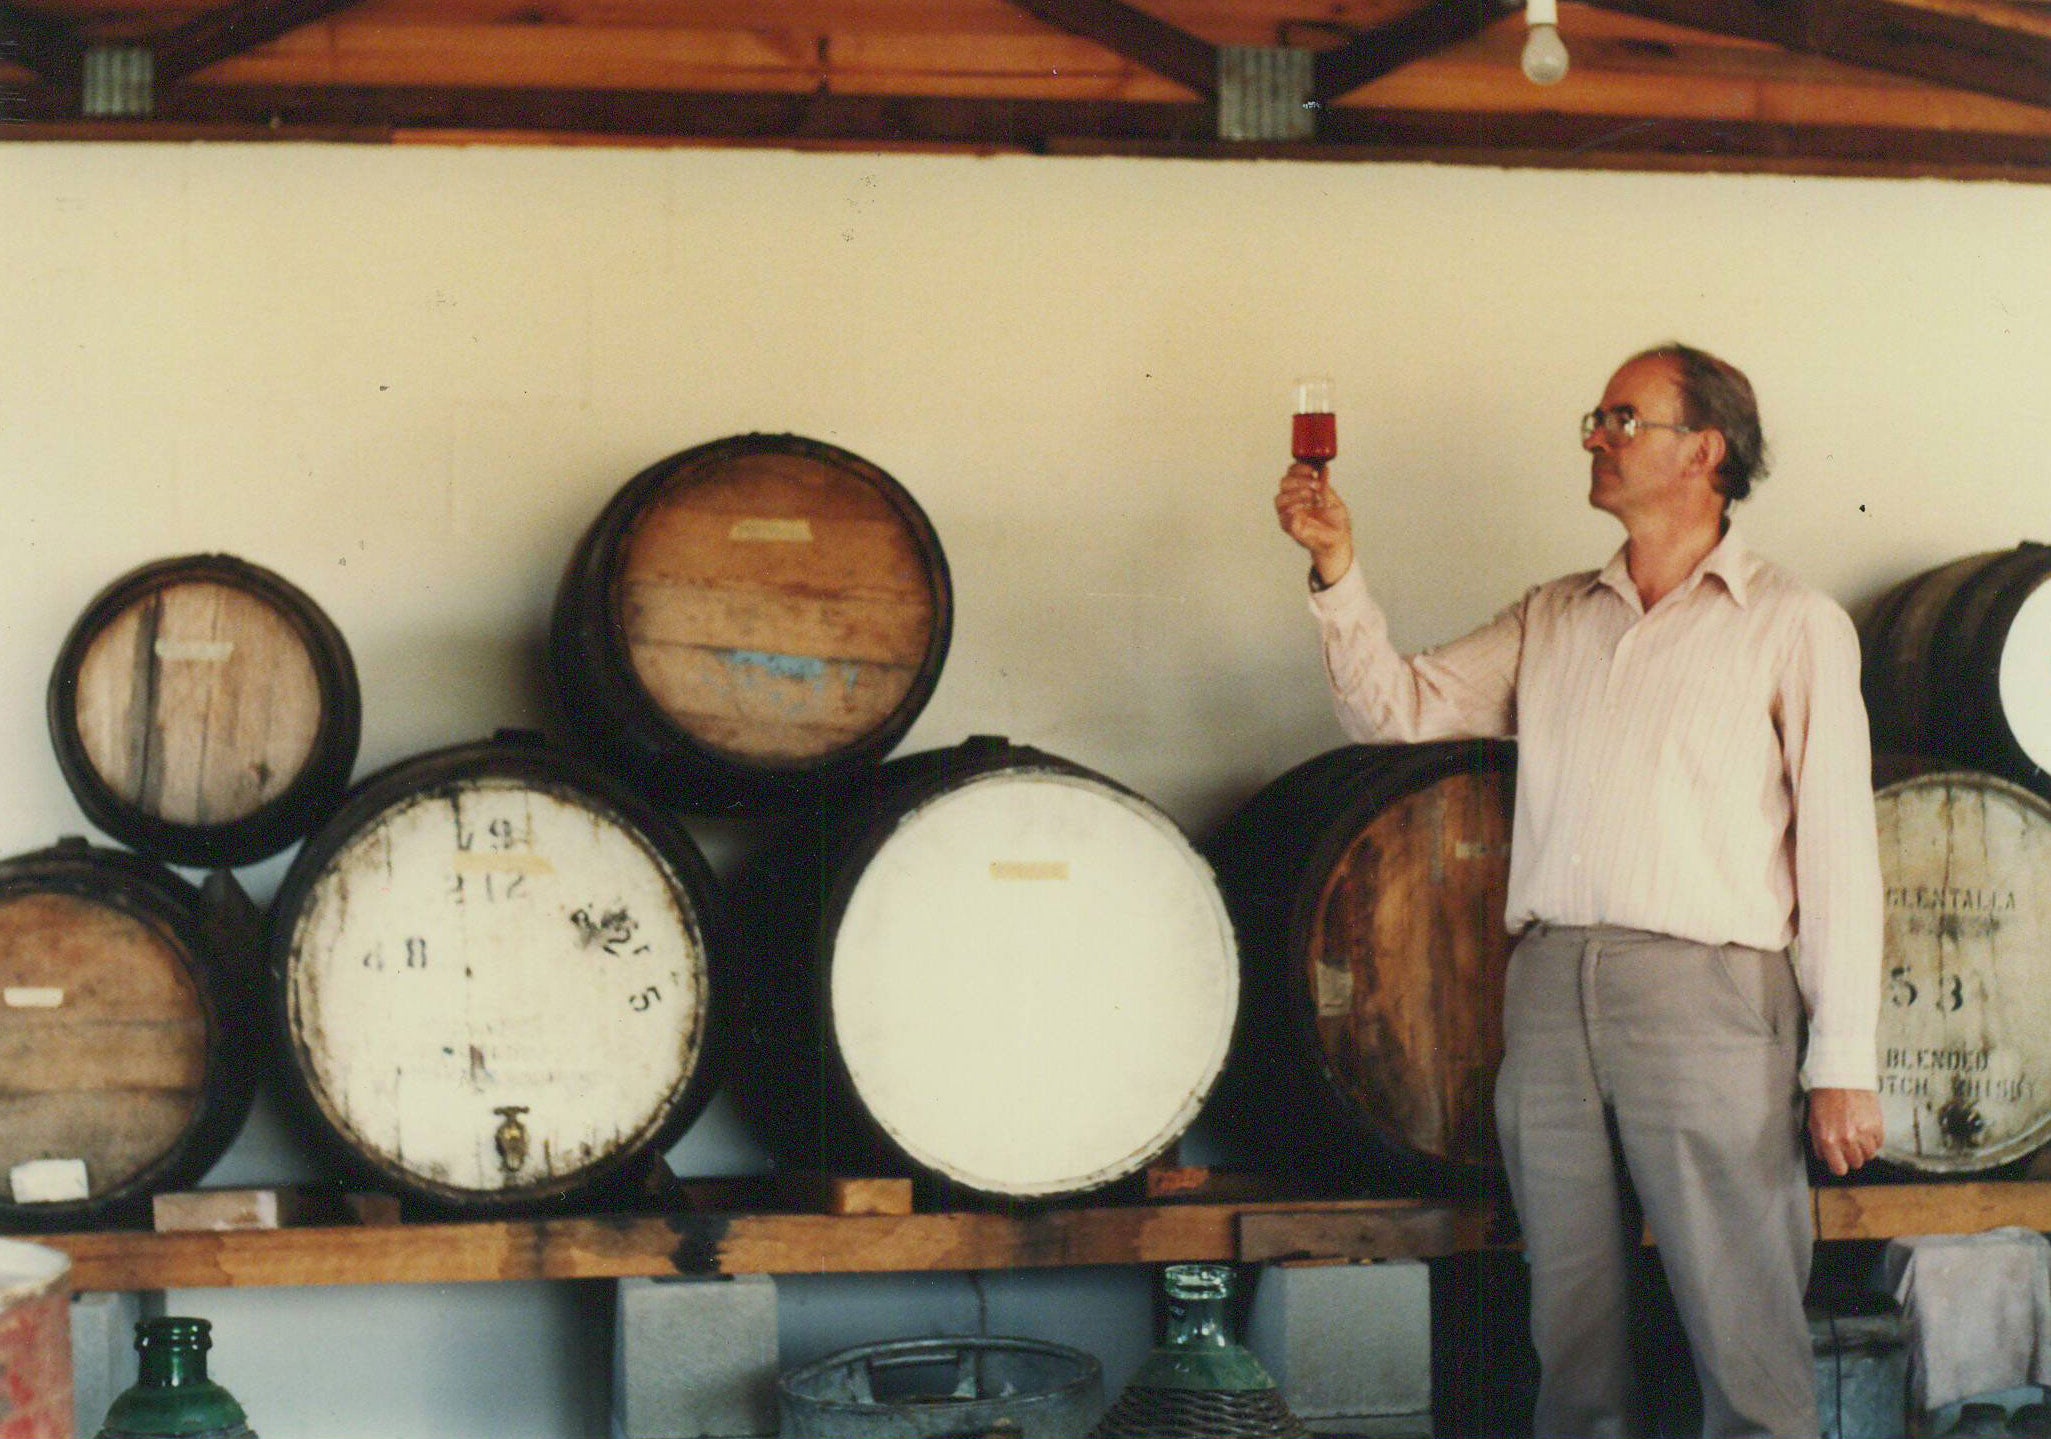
(1977,1308)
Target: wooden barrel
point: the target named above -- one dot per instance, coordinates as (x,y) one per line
(36,1400)
(204,711)
(751,622)
(1369,887)
(127,1061)
(1965,1016)
(1958,665)
(493,968)
(997,970)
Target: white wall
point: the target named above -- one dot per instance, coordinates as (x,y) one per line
(406,379)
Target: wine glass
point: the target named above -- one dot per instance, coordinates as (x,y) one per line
(1314,432)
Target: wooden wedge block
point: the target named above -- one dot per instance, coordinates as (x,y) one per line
(1214,1185)
(284,1207)
(219,1209)
(797,1191)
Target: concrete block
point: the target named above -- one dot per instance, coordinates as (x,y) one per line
(695,1358)
(103,1361)
(1349,1344)
(1861,1374)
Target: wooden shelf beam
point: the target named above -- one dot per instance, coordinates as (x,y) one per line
(378,114)
(656,1246)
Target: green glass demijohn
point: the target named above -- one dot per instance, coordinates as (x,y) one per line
(173,1394)
(1199,1382)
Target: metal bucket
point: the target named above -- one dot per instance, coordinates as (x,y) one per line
(35,1341)
(943,1389)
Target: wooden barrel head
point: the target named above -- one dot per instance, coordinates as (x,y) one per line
(198,704)
(778,604)
(1966,1007)
(204,711)
(495,986)
(103,1047)
(2023,673)
(1405,963)
(1033,983)
(753,623)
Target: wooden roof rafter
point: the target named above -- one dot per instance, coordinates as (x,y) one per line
(1167,50)
(55,51)
(1374,53)
(1949,87)
(1988,48)
(48,48)
(217,35)
(1192,62)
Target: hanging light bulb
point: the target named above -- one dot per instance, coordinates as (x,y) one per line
(1545,56)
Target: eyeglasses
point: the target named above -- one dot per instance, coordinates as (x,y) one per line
(1621,425)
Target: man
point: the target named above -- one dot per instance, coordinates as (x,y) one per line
(1693,786)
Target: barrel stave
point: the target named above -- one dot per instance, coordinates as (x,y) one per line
(1368,887)
(1949,670)
(751,623)
(204,711)
(125,1031)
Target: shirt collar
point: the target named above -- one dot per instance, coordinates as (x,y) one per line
(1730,562)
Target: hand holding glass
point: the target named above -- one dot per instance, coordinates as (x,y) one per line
(1314,433)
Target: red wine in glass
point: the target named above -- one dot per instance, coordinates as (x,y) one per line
(1314,437)
(1314,431)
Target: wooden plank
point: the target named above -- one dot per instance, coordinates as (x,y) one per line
(1394,45)
(664,1245)
(216,35)
(41,44)
(1958,49)
(1163,48)
(626,58)
(1351,133)
(1398,1232)
(1887,1211)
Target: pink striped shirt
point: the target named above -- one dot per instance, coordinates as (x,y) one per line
(1664,759)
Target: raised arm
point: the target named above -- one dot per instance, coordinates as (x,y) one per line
(1463,690)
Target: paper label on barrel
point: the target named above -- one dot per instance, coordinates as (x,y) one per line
(49,1181)
(32,996)
(767,531)
(510,863)
(1334,991)
(1029,869)
(207,652)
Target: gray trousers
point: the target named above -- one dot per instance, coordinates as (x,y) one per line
(1677,1062)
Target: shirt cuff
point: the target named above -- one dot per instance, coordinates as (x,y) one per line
(1339,592)
(1839,1064)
